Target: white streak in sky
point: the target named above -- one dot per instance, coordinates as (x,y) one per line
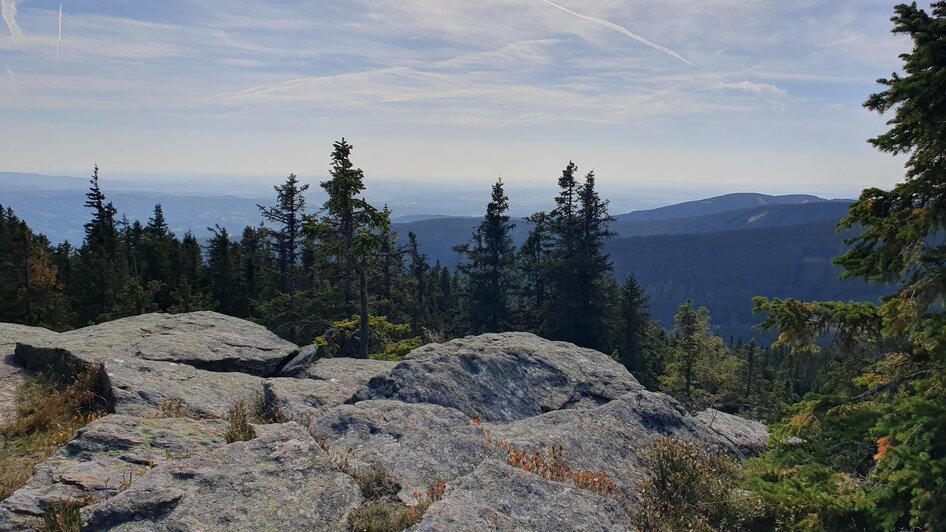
(621,29)
(12,80)
(9,16)
(59,39)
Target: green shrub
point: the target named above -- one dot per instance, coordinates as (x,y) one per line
(690,489)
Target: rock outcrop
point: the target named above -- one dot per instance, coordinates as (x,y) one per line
(280,480)
(610,439)
(503,377)
(420,444)
(204,340)
(106,455)
(449,413)
(498,497)
(749,437)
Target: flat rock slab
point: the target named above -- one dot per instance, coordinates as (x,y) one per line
(107,454)
(205,340)
(353,373)
(143,388)
(503,377)
(498,497)
(612,438)
(419,444)
(279,481)
(750,437)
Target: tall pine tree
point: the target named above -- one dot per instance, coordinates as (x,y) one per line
(489,266)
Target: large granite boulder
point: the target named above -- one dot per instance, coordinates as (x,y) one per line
(503,377)
(105,456)
(280,480)
(611,438)
(749,437)
(419,444)
(497,497)
(204,340)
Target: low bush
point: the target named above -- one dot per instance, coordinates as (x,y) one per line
(690,489)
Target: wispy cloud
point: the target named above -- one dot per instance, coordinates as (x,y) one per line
(622,30)
(9,16)
(759,89)
(59,36)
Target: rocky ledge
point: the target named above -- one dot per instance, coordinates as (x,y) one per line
(445,418)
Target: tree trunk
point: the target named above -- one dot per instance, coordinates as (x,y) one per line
(365,329)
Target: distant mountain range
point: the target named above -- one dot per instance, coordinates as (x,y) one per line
(719,251)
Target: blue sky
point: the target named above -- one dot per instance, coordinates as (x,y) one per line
(718,95)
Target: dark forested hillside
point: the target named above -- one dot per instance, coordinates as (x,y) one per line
(721,270)
(719,260)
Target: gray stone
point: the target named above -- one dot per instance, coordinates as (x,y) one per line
(297,365)
(141,387)
(353,373)
(105,456)
(205,340)
(280,480)
(304,400)
(503,377)
(498,497)
(419,444)
(610,439)
(750,437)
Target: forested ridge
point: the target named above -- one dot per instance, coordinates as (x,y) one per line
(854,393)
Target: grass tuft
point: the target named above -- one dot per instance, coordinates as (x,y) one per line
(239,428)
(50,410)
(63,516)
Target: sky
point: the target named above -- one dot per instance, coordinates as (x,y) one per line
(721,95)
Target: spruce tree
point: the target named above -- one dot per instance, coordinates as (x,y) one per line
(101,268)
(286,218)
(489,262)
(532,261)
(350,229)
(634,326)
(222,271)
(576,269)
(160,257)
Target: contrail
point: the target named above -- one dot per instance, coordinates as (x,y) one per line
(9,16)
(59,39)
(621,29)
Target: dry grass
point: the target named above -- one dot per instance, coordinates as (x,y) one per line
(239,428)
(50,410)
(382,510)
(392,515)
(553,465)
(172,408)
(64,516)
(266,410)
